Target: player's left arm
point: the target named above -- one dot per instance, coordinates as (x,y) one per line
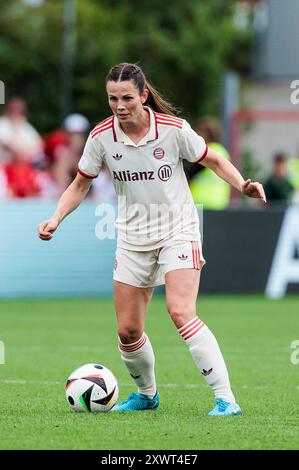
(229,173)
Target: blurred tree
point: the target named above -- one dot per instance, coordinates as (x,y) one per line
(30,50)
(184,46)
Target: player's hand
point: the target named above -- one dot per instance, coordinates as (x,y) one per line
(47,228)
(254,190)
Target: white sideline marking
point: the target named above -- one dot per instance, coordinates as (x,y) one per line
(58,382)
(188,386)
(24,382)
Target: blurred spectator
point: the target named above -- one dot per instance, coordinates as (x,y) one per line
(76,126)
(48,187)
(278,187)
(21,176)
(206,187)
(3,183)
(63,149)
(52,144)
(17,134)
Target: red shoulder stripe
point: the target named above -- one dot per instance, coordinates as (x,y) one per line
(170,123)
(103,123)
(113,129)
(108,123)
(101,129)
(168,117)
(100,126)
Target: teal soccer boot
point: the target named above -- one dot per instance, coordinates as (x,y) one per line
(138,402)
(224,408)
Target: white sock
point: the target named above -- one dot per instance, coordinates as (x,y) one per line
(140,361)
(207,356)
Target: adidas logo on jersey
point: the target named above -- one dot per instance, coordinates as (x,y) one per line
(117,156)
(183,257)
(128,175)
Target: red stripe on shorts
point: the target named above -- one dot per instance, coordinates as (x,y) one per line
(195,255)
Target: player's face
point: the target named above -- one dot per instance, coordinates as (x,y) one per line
(125,101)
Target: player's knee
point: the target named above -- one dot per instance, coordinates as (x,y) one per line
(180,313)
(128,335)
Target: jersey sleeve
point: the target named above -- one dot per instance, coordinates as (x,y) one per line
(192,146)
(91,160)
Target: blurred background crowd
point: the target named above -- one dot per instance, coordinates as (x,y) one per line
(32,165)
(55,88)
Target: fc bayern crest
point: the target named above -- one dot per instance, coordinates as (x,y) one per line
(159,153)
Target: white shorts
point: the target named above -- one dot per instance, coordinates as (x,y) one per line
(148,268)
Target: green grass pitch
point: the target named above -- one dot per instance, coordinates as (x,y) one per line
(46,339)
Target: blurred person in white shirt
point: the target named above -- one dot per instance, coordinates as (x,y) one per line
(17,134)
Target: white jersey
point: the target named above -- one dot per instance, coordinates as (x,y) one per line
(154,200)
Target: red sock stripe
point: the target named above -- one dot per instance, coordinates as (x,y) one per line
(191,328)
(192,333)
(183,329)
(195,255)
(134,346)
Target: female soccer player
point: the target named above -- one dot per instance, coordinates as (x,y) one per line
(143,145)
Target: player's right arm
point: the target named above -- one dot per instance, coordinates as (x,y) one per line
(68,202)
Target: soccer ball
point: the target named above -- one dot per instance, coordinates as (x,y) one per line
(91,387)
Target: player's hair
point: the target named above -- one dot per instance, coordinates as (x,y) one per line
(126,71)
